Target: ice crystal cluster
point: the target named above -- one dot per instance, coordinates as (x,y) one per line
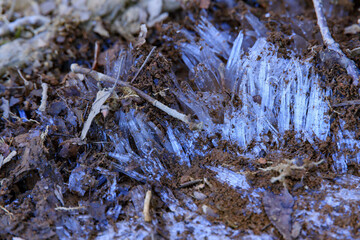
(276,93)
(150,144)
(241,89)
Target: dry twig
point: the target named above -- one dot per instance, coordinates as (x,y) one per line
(26,82)
(146,211)
(96,55)
(142,66)
(69,208)
(44,97)
(346,103)
(190,183)
(172,112)
(7,212)
(348,64)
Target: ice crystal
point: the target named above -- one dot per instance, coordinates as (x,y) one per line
(277,94)
(243,90)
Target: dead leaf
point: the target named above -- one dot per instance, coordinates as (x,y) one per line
(5,108)
(101,98)
(142,36)
(100,29)
(59,195)
(199,195)
(279,209)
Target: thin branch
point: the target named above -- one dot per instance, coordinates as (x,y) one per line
(172,112)
(144,63)
(190,183)
(69,208)
(346,103)
(26,82)
(96,55)
(348,64)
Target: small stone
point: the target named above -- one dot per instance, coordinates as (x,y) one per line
(209,211)
(199,196)
(262,160)
(296,229)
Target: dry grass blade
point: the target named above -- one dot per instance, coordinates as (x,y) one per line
(69,208)
(142,66)
(8,158)
(7,212)
(101,98)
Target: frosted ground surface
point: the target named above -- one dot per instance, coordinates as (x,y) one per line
(339,197)
(291,99)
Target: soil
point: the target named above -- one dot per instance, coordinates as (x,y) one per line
(35,184)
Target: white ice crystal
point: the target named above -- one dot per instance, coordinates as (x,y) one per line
(347,144)
(277,93)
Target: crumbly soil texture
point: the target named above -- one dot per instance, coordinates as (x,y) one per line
(40,200)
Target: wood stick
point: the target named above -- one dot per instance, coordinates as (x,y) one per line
(190,183)
(44,97)
(96,55)
(146,211)
(172,112)
(348,64)
(346,103)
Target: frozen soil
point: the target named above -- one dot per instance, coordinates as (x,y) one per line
(39,200)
